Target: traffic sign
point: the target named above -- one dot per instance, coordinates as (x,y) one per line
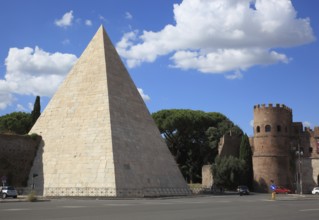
(273,187)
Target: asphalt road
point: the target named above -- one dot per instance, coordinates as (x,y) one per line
(259,206)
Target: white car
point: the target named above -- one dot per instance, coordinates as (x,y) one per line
(8,191)
(315,191)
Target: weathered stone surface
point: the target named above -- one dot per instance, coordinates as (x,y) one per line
(207,177)
(16,157)
(99,138)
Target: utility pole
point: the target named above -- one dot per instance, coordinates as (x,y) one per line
(299,153)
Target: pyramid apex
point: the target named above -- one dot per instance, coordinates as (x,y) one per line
(101,27)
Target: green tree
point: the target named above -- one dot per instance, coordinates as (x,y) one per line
(245,154)
(192,137)
(36,112)
(227,171)
(16,122)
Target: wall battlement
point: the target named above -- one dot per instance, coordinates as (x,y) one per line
(272,106)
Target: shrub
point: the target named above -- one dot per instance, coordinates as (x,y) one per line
(34,136)
(32,197)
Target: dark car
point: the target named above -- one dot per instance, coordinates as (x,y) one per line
(8,191)
(280,189)
(243,190)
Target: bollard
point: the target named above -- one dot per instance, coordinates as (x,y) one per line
(273,196)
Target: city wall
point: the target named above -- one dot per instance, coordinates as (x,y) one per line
(16,157)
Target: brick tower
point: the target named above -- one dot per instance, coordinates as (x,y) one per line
(272,141)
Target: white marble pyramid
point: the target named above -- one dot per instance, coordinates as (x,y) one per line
(99,138)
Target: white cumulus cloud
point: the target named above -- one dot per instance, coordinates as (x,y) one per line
(221,35)
(30,106)
(251,123)
(143,95)
(128,15)
(33,72)
(307,124)
(20,108)
(236,75)
(88,22)
(6,98)
(66,20)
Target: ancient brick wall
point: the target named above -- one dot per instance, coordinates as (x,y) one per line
(314,143)
(207,176)
(16,157)
(229,145)
(310,159)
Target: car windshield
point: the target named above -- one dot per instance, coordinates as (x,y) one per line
(10,188)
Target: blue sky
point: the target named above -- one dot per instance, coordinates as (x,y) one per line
(212,55)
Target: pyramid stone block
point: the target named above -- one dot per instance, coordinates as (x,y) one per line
(99,138)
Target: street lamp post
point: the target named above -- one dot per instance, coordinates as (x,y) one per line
(33,176)
(299,153)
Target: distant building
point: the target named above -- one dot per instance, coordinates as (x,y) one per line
(283,151)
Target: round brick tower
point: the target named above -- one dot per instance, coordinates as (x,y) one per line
(271,157)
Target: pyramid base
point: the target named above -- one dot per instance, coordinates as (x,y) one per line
(112,192)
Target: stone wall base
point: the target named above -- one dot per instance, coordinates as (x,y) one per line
(112,192)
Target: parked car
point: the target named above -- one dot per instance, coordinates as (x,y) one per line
(8,191)
(315,191)
(243,190)
(280,189)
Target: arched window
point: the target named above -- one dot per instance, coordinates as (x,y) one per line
(257,129)
(278,128)
(267,128)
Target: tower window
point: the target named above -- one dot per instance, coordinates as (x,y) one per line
(257,129)
(267,128)
(278,128)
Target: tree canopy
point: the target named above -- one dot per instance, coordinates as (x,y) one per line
(227,171)
(231,171)
(245,154)
(36,112)
(16,123)
(20,122)
(193,137)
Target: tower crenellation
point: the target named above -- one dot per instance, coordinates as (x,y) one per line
(271,106)
(272,119)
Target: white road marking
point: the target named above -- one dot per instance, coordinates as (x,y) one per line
(13,210)
(308,210)
(123,204)
(73,207)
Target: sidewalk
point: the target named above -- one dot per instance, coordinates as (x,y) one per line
(22,198)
